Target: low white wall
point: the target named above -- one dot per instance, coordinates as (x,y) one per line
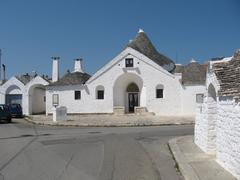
(188,96)
(228,137)
(201,127)
(227,133)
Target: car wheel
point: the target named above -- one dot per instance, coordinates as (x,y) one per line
(9,120)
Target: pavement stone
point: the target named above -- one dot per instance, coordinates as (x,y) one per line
(193,163)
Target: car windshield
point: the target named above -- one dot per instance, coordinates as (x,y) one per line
(14,106)
(1,108)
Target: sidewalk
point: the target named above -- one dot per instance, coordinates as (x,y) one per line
(193,163)
(112,120)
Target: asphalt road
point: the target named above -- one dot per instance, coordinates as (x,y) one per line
(32,152)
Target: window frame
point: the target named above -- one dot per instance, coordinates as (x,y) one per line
(202,98)
(102,95)
(129,62)
(79,97)
(159,96)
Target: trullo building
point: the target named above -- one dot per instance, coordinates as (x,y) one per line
(138,80)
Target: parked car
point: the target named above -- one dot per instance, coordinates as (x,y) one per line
(5,114)
(16,110)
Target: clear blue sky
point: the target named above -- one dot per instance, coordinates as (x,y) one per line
(31,31)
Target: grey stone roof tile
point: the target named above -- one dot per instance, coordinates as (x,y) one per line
(75,78)
(228,75)
(192,73)
(25,78)
(143,45)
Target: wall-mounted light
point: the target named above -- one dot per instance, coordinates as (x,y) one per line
(55,100)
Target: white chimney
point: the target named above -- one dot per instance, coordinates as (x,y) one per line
(78,65)
(55,69)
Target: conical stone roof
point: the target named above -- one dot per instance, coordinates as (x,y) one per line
(143,45)
(74,78)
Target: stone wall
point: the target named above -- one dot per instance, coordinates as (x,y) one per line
(220,134)
(205,126)
(228,136)
(201,126)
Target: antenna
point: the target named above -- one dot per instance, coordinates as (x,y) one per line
(0,64)
(176,57)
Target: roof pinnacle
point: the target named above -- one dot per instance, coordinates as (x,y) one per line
(193,60)
(140,30)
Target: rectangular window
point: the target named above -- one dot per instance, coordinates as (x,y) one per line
(44,99)
(159,93)
(77,95)
(199,98)
(129,62)
(100,94)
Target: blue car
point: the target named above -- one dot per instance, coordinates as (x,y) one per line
(16,110)
(5,114)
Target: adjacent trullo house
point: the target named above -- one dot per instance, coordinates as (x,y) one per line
(138,80)
(217,127)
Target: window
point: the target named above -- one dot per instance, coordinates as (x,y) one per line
(159,91)
(44,98)
(129,62)
(77,95)
(100,94)
(199,98)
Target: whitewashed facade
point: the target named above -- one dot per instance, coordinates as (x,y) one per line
(30,93)
(152,85)
(217,127)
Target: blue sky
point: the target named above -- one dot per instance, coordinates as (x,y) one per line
(32,31)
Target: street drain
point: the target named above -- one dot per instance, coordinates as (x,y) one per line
(94,132)
(27,135)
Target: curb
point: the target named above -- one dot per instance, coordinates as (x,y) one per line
(105,125)
(185,169)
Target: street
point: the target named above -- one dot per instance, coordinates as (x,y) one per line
(33,152)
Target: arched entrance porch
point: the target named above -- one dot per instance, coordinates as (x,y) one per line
(36,96)
(128,92)
(13,95)
(37,99)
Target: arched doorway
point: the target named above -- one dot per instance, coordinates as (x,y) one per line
(133,96)
(125,84)
(13,95)
(36,96)
(212,117)
(37,99)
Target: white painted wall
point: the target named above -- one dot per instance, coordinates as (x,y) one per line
(14,86)
(188,98)
(226,144)
(217,128)
(228,136)
(206,117)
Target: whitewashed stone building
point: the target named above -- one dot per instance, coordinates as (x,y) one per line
(139,80)
(217,128)
(27,90)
